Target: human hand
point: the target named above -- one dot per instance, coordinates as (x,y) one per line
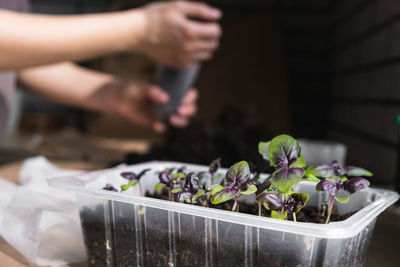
(136,102)
(172,37)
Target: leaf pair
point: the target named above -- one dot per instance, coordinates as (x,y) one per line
(284,153)
(191,190)
(337,169)
(133,178)
(168,178)
(334,184)
(235,184)
(280,205)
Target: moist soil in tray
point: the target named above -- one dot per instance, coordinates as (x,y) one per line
(118,244)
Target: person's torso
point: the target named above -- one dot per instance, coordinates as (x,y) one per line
(7,78)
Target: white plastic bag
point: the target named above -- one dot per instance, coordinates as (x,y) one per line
(41,222)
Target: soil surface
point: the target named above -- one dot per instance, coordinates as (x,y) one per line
(307,214)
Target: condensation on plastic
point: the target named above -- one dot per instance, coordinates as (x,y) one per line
(162,233)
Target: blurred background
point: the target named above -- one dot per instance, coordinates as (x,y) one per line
(315,69)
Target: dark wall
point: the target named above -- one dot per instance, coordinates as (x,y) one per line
(365,81)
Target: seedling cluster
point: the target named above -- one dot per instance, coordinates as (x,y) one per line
(275,193)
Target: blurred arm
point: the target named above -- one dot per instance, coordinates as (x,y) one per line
(31,40)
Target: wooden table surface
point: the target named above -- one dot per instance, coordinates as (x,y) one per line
(9,257)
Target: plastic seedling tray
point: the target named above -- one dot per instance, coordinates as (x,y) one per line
(126,229)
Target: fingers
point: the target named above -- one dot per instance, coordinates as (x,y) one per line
(203,30)
(199,10)
(178,121)
(190,97)
(187,109)
(157,95)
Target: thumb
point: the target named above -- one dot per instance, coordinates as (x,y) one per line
(200,10)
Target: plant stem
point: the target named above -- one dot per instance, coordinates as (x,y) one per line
(237,208)
(169,195)
(330,206)
(294,217)
(259,209)
(234,206)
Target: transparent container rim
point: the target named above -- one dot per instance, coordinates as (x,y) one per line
(334,230)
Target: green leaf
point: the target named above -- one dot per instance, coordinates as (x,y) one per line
(194,201)
(300,163)
(278,215)
(178,175)
(224,195)
(283,150)
(357,171)
(132,183)
(310,171)
(333,178)
(199,193)
(238,173)
(300,200)
(125,187)
(344,179)
(342,199)
(159,186)
(283,179)
(216,189)
(263,149)
(250,190)
(312,178)
(176,190)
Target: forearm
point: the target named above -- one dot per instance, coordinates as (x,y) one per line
(30,40)
(66,83)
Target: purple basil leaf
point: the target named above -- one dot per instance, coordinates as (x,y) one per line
(355,184)
(283,151)
(357,171)
(244,186)
(263,186)
(271,201)
(327,186)
(300,199)
(214,166)
(165,177)
(109,187)
(324,171)
(284,178)
(192,183)
(224,195)
(338,168)
(143,172)
(237,174)
(183,195)
(129,175)
(181,169)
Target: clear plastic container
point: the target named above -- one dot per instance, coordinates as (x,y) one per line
(126,229)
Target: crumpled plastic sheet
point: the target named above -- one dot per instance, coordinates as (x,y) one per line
(41,222)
